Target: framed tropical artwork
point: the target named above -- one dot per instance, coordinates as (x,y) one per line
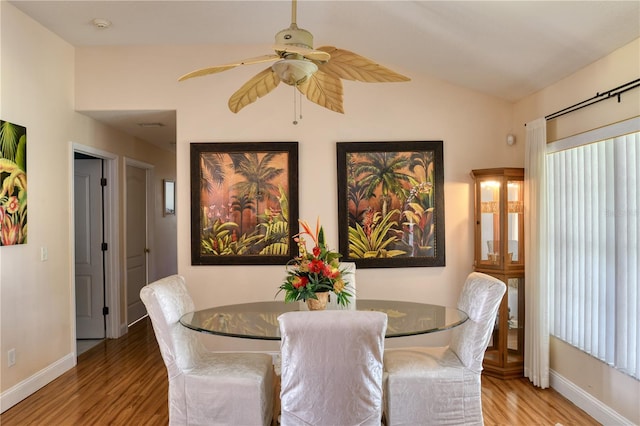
(244,198)
(13,180)
(391,203)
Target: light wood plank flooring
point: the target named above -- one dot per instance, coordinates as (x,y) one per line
(124,382)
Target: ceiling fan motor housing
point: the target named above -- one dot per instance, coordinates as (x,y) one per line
(295,36)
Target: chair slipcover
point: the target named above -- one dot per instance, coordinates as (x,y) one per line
(435,386)
(332,367)
(205,388)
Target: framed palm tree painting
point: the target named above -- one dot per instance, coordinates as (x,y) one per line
(391,203)
(13,184)
(244,198)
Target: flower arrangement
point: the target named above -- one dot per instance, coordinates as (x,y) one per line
(314,271)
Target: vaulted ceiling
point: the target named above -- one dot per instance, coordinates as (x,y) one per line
(507,49)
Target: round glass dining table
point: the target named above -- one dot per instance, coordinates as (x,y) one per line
(259,320)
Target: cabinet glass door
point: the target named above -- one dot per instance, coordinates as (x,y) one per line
(515,223)
(490,221)
(515,321)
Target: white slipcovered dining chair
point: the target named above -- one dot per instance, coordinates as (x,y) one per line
(332,367)
(205,387)
(441,385)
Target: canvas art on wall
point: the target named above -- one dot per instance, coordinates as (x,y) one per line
(244,198)
(13,177)
(391,203)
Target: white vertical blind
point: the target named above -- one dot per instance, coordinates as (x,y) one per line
(594,254)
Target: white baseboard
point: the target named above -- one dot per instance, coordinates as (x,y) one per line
(124,329)
(27,387)
(587,402)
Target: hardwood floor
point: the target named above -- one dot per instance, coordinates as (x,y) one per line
(124,382)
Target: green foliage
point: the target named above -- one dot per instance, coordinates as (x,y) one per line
(373,243)
(275,249)
(383,169)
(258,174)
(9,136)
(284,202)
(211,171)
(276,230)
(423,224)
(21,153)
(218,239)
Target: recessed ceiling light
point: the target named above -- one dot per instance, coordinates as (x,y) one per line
(101,23)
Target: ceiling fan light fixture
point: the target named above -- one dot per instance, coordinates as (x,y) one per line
(315,73)
(294,71)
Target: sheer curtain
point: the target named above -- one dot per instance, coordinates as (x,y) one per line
(536,329)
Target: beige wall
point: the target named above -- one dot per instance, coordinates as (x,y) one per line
(609,386)
(37,87)
(41,89)
(37,308)
(473,127)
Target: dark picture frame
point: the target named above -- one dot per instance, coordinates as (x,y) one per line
(391,203)
(244,203)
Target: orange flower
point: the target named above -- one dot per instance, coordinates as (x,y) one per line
(316,266)
(300,282)
(332,273)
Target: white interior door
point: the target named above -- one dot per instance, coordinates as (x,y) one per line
(88,249)
(136,241)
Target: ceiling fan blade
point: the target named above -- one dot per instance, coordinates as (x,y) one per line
(312,54)
(220,68)
(260,85)
(351,66)
(323,89)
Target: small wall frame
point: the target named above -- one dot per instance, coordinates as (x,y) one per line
(168,197)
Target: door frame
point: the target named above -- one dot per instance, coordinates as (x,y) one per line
(115,328)
(149,204)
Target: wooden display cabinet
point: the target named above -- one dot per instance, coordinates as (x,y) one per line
(499,252)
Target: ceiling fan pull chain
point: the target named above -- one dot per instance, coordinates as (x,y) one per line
(300,103)
(295,86)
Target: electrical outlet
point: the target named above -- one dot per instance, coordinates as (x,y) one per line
(11,357)
(44,254)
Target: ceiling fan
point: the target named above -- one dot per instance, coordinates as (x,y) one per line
(316,73)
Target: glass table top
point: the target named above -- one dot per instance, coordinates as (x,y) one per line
(259,320)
